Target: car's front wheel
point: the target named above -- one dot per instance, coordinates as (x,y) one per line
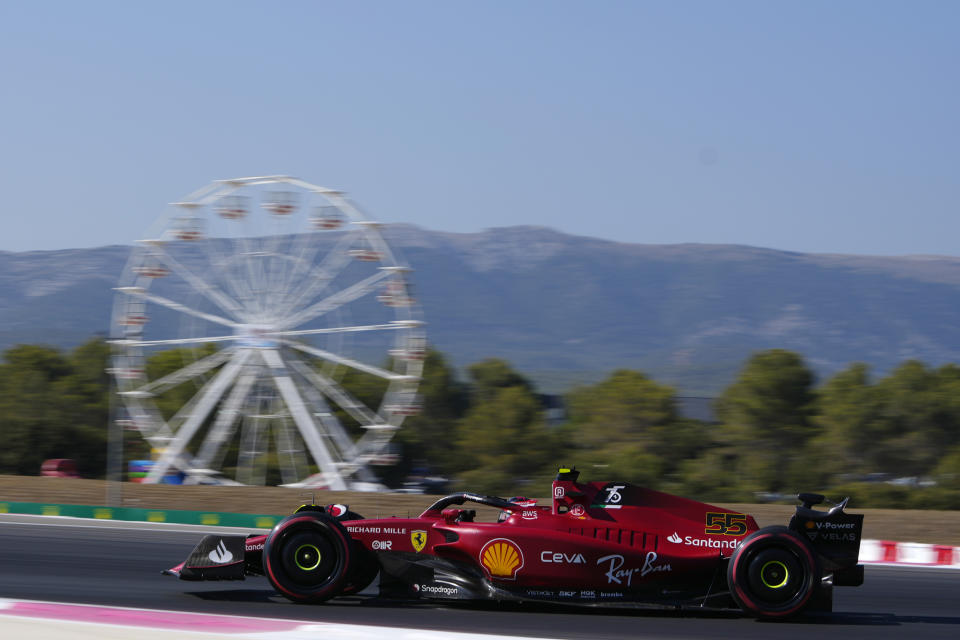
(773,573)
(307,557)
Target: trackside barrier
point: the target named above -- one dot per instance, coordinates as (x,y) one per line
(909,553)
(209,518)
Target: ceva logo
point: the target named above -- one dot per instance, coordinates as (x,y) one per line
(675,538)
(221,555)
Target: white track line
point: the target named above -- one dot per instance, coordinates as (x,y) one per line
(54,619)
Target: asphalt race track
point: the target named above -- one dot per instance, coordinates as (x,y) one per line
(119,564)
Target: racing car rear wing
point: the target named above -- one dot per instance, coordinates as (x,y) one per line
(834,534)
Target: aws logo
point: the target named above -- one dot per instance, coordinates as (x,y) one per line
(501,558)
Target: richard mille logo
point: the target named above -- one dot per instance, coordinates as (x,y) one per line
(220,555)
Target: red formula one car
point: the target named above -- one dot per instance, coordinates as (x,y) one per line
(599,543)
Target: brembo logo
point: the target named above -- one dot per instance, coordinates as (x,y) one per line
(220,555)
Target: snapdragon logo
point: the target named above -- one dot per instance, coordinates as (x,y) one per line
(435,589)
(220,555)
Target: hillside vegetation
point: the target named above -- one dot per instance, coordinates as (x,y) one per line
(778,432)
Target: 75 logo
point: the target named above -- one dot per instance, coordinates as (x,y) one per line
(726,524)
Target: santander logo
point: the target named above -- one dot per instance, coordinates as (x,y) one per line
(690,541)
(221,555)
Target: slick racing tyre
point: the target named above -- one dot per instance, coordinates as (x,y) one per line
(773,573)
(364,568)
(307,557)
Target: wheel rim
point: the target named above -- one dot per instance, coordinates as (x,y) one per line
(774,574)
(307,557)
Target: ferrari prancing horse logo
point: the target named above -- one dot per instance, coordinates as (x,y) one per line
(418,538)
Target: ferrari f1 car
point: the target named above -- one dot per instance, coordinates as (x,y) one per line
(598,543)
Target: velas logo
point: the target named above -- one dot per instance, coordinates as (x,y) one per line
(501,558)
(675,538)
(220,555)
(418,538)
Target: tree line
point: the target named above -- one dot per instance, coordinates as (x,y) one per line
(886,441)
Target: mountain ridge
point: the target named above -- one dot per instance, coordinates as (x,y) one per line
(574,307)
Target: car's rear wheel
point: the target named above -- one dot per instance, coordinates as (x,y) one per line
(307,557)
(773,573)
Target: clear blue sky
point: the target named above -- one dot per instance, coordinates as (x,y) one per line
(808,126)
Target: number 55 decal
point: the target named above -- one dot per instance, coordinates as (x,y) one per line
(726,524)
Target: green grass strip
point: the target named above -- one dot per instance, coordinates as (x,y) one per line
(210,518)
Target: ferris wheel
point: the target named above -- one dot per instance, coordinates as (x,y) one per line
(276,299)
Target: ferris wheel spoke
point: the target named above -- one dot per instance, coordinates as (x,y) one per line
(146,419)
(139,292)
(375,440)
(193,370)
(280,284)
(272,267)
(338,299)
(353,364)
(239,287)
(250,252)
(211,292)
(308,429)
(327,418)
(206,400)
(290,452)
(390,326)
(356,409)
(299,249)
(172,341)
(318,277)
(226,421)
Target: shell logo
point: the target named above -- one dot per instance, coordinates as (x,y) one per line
(502,558)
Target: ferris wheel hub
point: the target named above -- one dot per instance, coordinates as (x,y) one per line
(255,336)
